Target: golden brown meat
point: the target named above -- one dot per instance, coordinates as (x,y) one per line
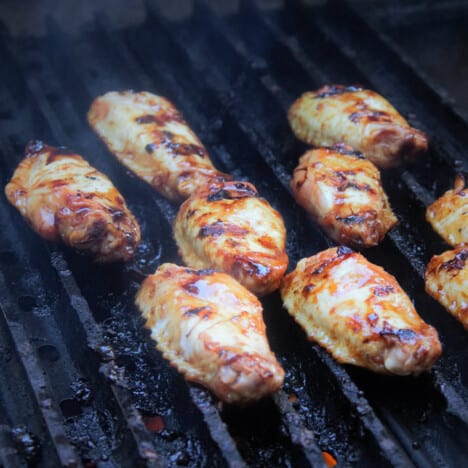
(150,137)
(447,282)
(64,198)
(343,193)
(227,226)
(211,329)
(449,214)
(360,118)
(359,313)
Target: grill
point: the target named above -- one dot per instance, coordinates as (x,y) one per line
(82,384)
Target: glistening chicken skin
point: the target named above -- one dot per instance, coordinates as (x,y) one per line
(211,329)
(359,313)
(149,136)
(360,118)
(449,214)
(229,227)
(343,192)
(447,281)
(64,198)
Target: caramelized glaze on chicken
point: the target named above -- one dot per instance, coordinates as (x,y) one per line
(64,198)
(228,227)
(343,193)
(211,329)
(449,214)
(360,118)
(359,313)
(149,136)
(447,282)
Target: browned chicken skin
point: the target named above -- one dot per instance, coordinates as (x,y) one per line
(229,227)
(150,137)
(449,214)
(359,313)
(343,193)
(64,198)
(447,281)
(211,329)
(360,118)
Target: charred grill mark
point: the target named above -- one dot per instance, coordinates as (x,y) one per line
(342,148)
(219,227)
(186,149)
(250,267)
(343,250)
(205,272)
(190,213)
(146,119)
(371,116)
(382,291)
(351,219)
(160,119)
(403,334)
(177,149)
(457,263)
(345,183)
(196,312)
(307,289)
(116,214)
(180,149)
(149,148)
(361,188)
(191,288)
(97,231)
(335,90)
(232,192)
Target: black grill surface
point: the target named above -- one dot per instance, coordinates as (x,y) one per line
(82,383)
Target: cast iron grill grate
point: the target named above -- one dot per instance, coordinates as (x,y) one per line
(92,387)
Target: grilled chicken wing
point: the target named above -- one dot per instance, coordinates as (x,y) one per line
(227,226)
(359,313)
(361,118)
(64,198)
(343,193)
(211,329)
(447,282)
(449,214)
(149,136)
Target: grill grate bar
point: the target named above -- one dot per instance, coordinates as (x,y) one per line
(41,389)
(218,430)
(300,435)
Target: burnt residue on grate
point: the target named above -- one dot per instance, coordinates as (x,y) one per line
(109,396)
